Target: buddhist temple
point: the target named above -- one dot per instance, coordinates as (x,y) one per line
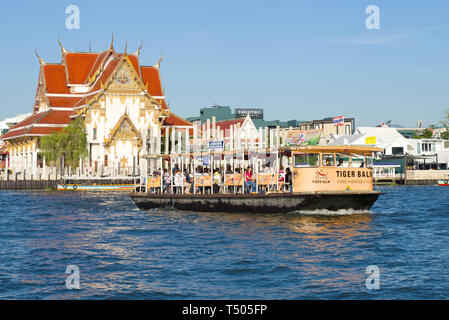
(121,101)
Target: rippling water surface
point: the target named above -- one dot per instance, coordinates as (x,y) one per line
(125,253)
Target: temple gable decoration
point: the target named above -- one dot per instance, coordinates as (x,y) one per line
(124,130)
(125,78)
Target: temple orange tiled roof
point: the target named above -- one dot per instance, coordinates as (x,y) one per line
(55,78)
(150,76)
(36,123)
(100,59)
(79,65)
(42,131)
(174,120)
(64,102)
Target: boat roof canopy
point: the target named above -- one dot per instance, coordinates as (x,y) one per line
(360,150)
(365,150)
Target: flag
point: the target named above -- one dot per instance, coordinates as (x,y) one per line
(339,121)
(301,139)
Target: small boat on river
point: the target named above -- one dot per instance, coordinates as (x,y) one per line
(444,182)
(322,178)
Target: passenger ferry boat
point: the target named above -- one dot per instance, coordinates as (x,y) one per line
(322,178)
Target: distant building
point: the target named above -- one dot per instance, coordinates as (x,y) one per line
(329,128)
(219,112)
(8,123)
(223,113)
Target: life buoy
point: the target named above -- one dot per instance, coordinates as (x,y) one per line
(75,187)
(64,186)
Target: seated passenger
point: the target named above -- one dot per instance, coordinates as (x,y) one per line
(250,183)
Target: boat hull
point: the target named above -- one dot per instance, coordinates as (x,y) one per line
(256,203)
(443,183)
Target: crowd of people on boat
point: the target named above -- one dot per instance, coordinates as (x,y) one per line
(182,181)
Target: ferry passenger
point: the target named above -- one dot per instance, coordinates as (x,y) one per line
(250,184)
(288,180)
(238,188)
(206,173)
(188,182)
(281,175)
(340,162)
(199,172)
(175,168)
(229,171)
(217,180)
(166,177)
(178,181)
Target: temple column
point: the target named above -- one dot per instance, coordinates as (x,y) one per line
(173,138)
(34,160)
(44,168)
(167,134)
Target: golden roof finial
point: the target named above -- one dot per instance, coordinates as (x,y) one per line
(42,62)
(126,46)
(112,42)
(63,50)
(158,64)
(138,49)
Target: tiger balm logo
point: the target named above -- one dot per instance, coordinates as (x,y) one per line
(321,177)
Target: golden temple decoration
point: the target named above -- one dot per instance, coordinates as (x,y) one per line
(124,130)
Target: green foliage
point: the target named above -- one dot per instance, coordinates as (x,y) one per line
(69,144)
(445,134)
(427,134)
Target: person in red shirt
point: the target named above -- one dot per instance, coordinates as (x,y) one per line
(250,181)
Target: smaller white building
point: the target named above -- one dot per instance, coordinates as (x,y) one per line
(423,151)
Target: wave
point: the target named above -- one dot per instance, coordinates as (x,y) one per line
(325,212)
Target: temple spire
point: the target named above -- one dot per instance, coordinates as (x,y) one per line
(138,49)
(42,62)
(112,43)
(158,64)
(63,50)
(126,46)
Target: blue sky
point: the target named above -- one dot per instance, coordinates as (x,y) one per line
(296,59)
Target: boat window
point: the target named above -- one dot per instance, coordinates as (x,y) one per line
(342,161)
(358,163)
(328,160)
(307,160)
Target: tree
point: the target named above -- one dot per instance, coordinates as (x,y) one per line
(70,144)
(426,134)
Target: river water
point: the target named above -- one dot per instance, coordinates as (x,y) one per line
(125,253)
